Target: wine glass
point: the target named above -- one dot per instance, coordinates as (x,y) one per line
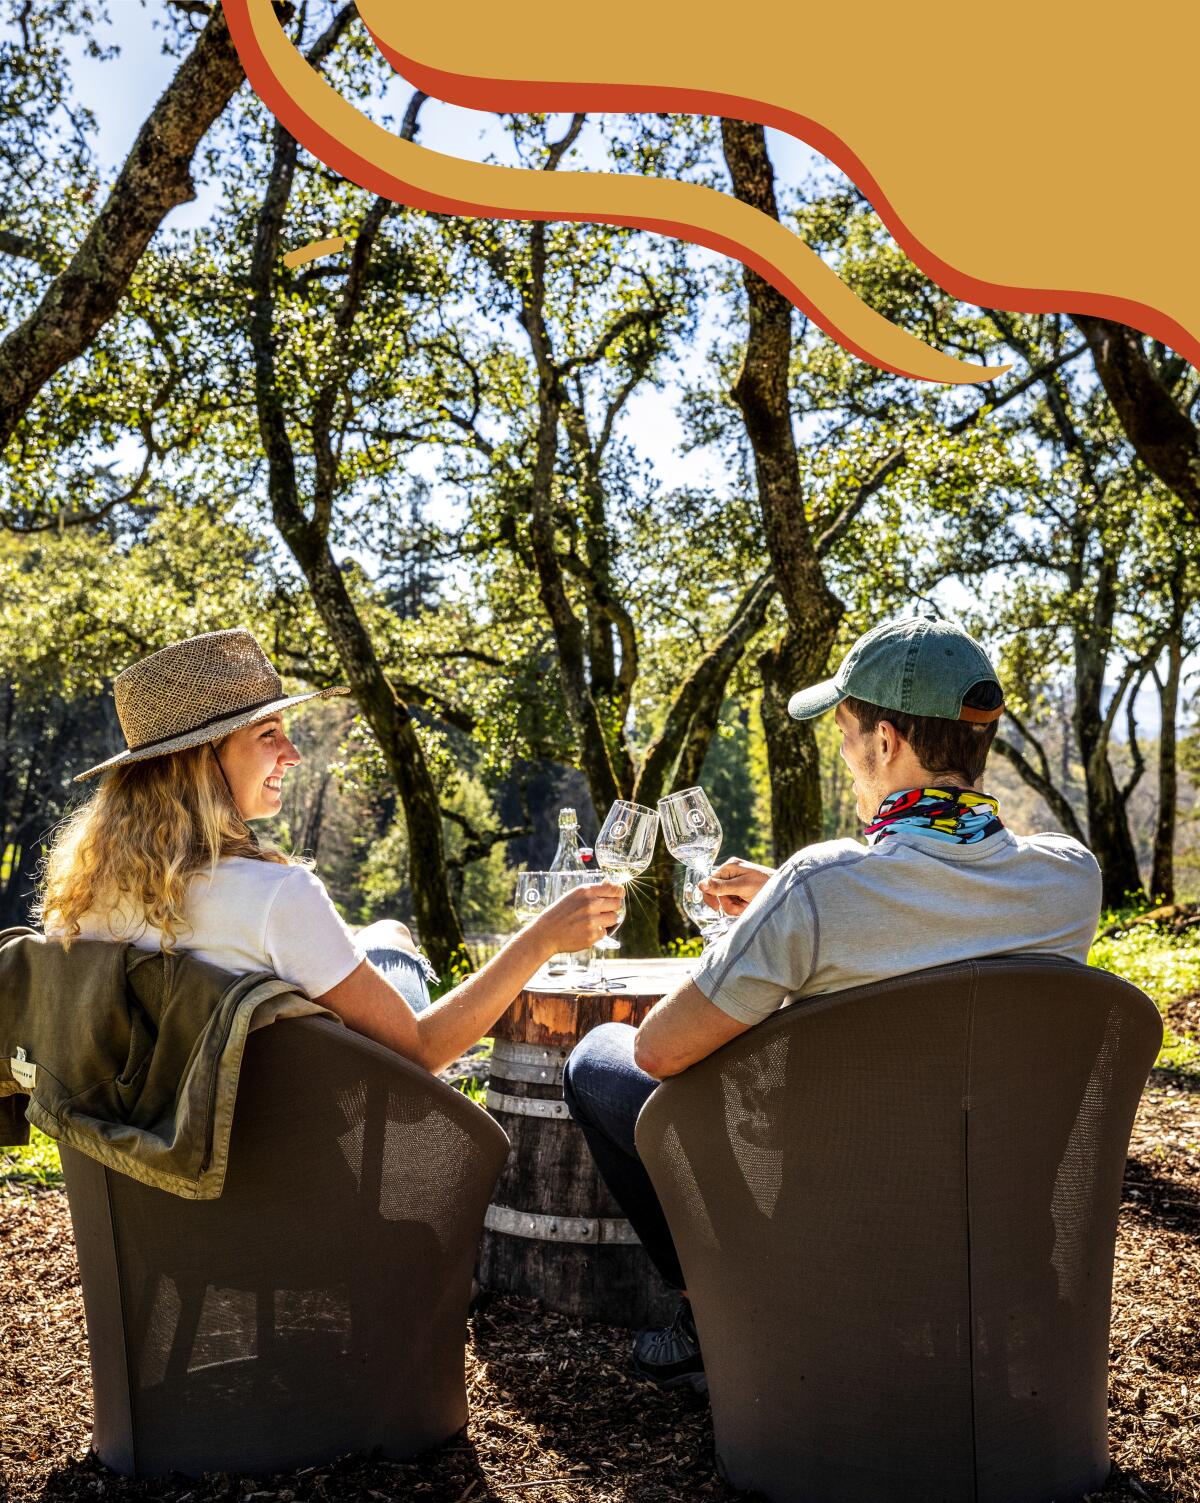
(709,921)
(535,891)
(623,849)
(564,883)
(691,829)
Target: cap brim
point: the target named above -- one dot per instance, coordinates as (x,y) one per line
(806,704)
(235,722)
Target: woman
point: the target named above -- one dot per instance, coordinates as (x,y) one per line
(163,856)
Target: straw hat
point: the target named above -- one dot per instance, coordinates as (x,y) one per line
(196,691)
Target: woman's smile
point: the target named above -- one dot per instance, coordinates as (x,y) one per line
(254,761)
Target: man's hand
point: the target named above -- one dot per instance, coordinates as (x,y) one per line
(733,884)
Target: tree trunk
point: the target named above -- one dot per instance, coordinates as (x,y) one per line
(761,391)
(1108,821)
(1111,842)
(1056,800)
(676,755)
(307,537)
(438,923)
(586,722)
(1162,874)
(314,819)
(793,762)
(18,892)
(155,179)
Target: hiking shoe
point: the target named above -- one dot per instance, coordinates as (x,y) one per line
(671,1357)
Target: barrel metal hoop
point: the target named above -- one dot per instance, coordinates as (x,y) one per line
(525,1106)
(529,1054)
(510,1069)
(581,1230)
(532,1064)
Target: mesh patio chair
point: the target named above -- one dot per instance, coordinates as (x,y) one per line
(896,1211)
(319,1305)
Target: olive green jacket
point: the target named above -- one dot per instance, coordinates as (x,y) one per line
(131,1056)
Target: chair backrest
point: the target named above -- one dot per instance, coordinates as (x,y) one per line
(319,1306)
(896,1209)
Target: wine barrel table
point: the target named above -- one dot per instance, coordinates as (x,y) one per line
(553,1231)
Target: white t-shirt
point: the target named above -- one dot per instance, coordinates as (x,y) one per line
(840,914)
(252,916)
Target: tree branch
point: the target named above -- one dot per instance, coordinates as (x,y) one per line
(899,456)
(479,843)
(1057,801)
(155,179)
(1134,666)
(628,320)
(1139,762)
(702,690)
(28,249)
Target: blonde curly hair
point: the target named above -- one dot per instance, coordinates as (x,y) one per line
(135,845)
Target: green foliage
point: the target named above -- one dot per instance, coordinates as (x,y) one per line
(77,605)
(1164,967)
(33,1167)
(485,894)
(474,1087)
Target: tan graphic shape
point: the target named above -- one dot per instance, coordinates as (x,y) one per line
(314,250)
(336,132)
(1038,156)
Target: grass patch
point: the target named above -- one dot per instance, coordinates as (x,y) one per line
(35,1166)
(473,1087)
(1164,967)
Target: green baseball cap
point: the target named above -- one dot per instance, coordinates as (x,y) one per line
(919,665)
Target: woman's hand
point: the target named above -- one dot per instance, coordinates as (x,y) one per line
(366,1001)
(579,918)
(734,883)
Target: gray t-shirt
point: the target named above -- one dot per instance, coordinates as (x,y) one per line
(840,914)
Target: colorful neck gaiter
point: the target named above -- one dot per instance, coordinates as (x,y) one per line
(942,813)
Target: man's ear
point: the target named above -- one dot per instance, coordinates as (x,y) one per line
(889,741)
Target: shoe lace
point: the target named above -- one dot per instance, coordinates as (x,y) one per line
(665,1345)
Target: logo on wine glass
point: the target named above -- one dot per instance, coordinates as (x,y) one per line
(618,831)
(696,817)
(532,897)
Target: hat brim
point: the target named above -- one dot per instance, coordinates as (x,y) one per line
(807,704)
(234,722)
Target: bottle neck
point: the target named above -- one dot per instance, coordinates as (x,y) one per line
(567,857)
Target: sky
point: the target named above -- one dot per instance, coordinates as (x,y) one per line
(121,91)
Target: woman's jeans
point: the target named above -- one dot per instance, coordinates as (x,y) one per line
(605,1091)
(410,974)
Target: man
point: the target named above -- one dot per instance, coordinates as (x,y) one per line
(940,879)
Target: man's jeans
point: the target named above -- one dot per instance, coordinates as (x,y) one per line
(605,1091)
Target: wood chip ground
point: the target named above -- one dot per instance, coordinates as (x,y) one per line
(555,1414)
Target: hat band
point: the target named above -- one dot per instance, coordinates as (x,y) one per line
(980,717)
(204,725)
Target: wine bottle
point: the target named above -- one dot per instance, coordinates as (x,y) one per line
(567,859)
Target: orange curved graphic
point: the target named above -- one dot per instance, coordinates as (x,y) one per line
(346,140)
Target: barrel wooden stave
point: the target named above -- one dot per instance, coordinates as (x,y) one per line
(550,1173)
